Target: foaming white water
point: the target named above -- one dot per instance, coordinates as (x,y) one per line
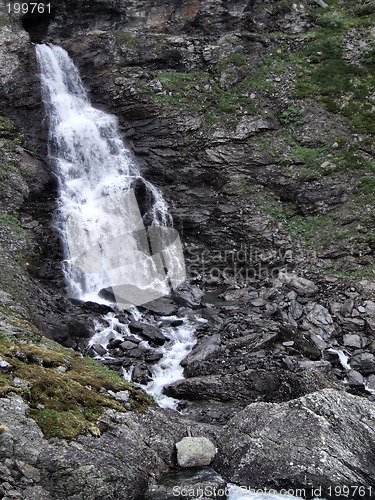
(92,165)
(242,493)
(180,341)
(111,329)
(168,369)
(343,358)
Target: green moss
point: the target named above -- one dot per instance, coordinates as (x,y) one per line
(68,403)
(366,186)
(62,424)
(6,126)
(126,39)
(11,220)
(103,372)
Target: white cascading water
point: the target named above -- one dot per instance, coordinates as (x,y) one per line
(180,341)
(93,164)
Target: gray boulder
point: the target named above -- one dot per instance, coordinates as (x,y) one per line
(188,296)
(163,306)
(195,452)
(149,332)
(352,340)
(5,367)
(205,349)
(364,363)
(320,317)
(303,286)
(354,379)
(325,438)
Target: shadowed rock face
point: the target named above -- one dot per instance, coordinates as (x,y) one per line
(172,16)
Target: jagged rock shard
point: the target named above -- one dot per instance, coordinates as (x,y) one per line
(195,452)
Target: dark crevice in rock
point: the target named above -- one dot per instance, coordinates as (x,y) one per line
(37,24)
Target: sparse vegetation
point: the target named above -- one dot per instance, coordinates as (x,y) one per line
(11,220)
(126,39)
(365,8)
(64,404)
(291,115)
(4,20)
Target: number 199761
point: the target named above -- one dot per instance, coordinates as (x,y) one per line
(29,8)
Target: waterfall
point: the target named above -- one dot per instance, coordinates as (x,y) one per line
(110,247)
(106,246)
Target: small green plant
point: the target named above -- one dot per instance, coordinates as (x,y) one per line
(11,220)
(290,115)
(18,141)
(307,175)
(237,59)
(126,38)
(366,8)
(366,185)
(333,20)
(5,336)
(5,126)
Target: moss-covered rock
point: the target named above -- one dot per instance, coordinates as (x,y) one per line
(66,392)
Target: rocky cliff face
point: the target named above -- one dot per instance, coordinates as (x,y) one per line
(255,119)
(241,111)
